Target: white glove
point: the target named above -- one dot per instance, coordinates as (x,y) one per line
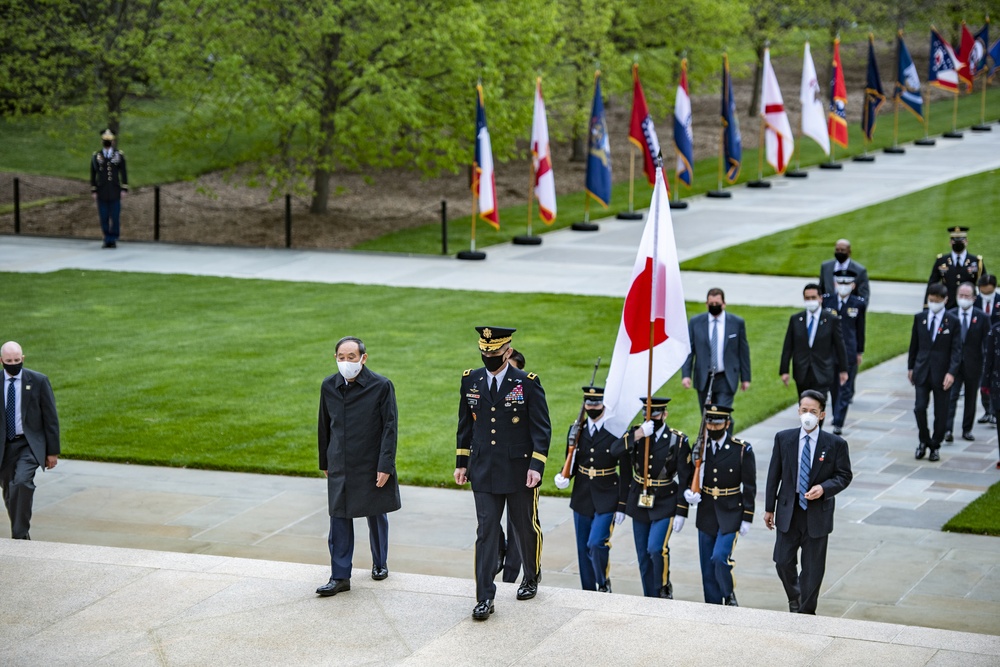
(561,482)
(692,497)
(744,527)
(647,428)
(619,517)
(678,523)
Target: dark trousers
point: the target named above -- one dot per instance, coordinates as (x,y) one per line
(17,479)
(653,551)
(924,392)
(522,509)
(971,385)
(342,543)
(716,555)
(593,548)
(722,393)
(841,395)
(802,586)
(110,213)
(509,555)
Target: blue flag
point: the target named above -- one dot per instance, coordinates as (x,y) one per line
(598,150)
(732,142)
(995,55)
(908,81)
(979,49)
(874,96)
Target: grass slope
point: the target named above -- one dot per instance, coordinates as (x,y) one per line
(981,516)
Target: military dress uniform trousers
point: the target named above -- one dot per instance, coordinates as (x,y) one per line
(593,548)
(509,554)
(802,586)
(653,552)
(841,395)
(522,510)
(716,555)
(342,543)
(110,215)
(17,478)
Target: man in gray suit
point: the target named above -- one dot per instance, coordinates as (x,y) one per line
(31,436)
(719,351)
(842,262)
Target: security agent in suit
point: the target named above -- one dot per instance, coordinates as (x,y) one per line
(851,310)
(808,468)
(656,507)
(842,262)
(600,472)
(725,504)
(934,359)
(956,267)
(503,441)
(991,368)
(987,302)
(31,436)
(974,327)
(814,343)
(728,364)
(108,182)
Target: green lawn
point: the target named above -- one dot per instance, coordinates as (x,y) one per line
(224,373)
(895,240)
(981,516)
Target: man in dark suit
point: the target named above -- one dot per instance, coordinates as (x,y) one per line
(814,343)
(31,436)
(601,474)
(934,359)
(108,183)
(357,453)
(842,262)
(991,368)
(851,310)
(808,468)
(987,302)
(503,441)
(974,328)
(719,351)
(956,267)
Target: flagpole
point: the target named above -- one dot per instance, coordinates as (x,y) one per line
(897,91)
(676,203)
(631,177)
(529,239)
(954,134)
(797,172)
(760,182)
(720,193)
(926,141)
(652,316)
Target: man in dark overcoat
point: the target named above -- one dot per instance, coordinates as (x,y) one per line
(357,453)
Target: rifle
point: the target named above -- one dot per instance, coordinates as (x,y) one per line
(574,430)
(702,441)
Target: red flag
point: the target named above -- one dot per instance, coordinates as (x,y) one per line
(965,56)
(641,132)
(838,100)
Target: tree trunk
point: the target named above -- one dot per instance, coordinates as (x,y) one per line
(579,148)
(758,74)
(327,125)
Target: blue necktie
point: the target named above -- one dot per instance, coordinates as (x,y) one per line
(809,329)
(11,408)
(804,465)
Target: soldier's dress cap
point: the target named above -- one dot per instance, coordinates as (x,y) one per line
(656,402)
(593,394)
(958,232)
(108,135)
(717,414)
(845,275)
(493,338)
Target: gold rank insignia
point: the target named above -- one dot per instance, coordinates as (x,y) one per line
(515,420)
(487,333)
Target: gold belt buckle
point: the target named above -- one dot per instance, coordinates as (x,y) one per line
(715,493)
(590,473)
(646,500)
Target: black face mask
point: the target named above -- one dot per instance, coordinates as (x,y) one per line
(715,309)
(841,256)
(13,369)
(716,434)
(958,246)
(493,364)
(594,413)
(107,144)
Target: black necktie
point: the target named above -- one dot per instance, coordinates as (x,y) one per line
(965,325)
(493,388)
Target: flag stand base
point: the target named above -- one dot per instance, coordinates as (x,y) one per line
(763,185)
(981,128)
(471,254)
(796,174)
(893,150)
(719,194)
(629,215)
(925,142)
(830,165)
(674,205)
(863,158)
(584,227)
(527,240)
(952,135)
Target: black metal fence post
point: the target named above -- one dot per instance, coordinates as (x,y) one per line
(288,221)
(156,213)
(444,227)
(17,205)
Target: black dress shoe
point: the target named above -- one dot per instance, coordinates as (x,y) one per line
(667,592)
(527,590)
(333,587)
(730,601)
(934,455)
(837,430)
(968,436)
(985,419)
(921,450)
(948,437)
(793,606)
(482,610)
(379,573)
(993,419)
(606,588)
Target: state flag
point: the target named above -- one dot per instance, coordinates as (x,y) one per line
(907,88)
(779,142)
(837,124)
(683,132)
(598,179)
(943,64)
(483,179)
(541,158)
(813,108)
(641,131)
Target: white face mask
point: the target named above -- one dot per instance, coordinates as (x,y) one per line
(965,304)
(349,369)
(844,290)
(935,306)
(809,420)
(811,306)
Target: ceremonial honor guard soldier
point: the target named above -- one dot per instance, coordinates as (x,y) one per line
(725,504)
(851,310)
(600,470)
(503,441)
(659,472)
(956,267)
(108,182)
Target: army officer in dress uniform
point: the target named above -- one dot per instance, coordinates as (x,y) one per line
(956,267)
(503,441)
(655,496)
(725,504)
(108,182)
(601,472)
